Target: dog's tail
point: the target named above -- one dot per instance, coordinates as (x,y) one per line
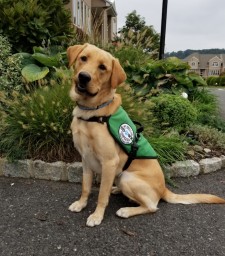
(173,198)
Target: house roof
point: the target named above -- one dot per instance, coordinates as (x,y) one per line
(106,3)
(204,58)
(113,7)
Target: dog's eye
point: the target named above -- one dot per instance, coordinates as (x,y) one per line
(102,67)
(83,58)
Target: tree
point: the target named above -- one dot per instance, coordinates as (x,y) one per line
(133,21)
(27,23)
(136,30)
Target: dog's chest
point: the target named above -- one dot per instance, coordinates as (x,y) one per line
(85,142)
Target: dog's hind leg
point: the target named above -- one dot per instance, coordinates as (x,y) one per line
(115,190)
(140,192)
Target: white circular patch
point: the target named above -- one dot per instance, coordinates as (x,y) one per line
(126,134)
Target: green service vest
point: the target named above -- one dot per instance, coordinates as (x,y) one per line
(127,135)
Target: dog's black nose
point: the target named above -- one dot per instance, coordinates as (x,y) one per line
(84,78)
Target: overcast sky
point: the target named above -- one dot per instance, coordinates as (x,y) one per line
(191,24)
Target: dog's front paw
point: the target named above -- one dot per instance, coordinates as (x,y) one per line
(94,220)
(77,206)
(123,212)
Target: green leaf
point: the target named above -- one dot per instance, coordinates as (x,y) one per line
(183,80)
(33,72)
(39,49)
(49,61)
(138,79)
(25,58)
(198,79)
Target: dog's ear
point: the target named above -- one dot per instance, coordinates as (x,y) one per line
(118,74)
(73,52)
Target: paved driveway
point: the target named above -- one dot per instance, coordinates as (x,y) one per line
(34,221)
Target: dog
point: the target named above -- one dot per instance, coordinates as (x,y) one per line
(96,76)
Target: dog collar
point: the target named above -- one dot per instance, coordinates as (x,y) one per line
(82,107)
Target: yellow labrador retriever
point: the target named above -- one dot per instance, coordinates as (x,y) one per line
(96,76)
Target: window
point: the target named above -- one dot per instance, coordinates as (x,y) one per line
(74,11)
(82,15)
(89,19)
(78,13)
(82,23)
(215,64)
(215,72)
(193,64)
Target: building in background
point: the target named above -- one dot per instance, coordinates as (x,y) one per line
(96,18)
(206,64)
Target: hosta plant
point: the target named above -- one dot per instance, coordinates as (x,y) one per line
(170,74)
(42,62)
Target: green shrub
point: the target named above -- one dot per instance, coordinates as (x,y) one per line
(31,22)
(213,81)
(135,48)
(208,137)
(129,55)
(10,71)
(37,126)
(170,74)
(222,81)
(173,111)
(170,148)
(207,109)
(206,105)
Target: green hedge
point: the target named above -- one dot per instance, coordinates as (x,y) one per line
(10,71)
(173,111)
(28,23)
(216,80)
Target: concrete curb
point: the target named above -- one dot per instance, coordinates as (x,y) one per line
(37,169)
(60,171)
(192,168)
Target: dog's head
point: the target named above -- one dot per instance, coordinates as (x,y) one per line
(96,73)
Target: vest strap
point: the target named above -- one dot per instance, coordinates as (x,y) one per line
(134,146)
(96,119)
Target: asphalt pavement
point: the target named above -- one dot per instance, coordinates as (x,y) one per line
(35,221)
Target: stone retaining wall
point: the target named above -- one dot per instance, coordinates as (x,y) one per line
(60,171)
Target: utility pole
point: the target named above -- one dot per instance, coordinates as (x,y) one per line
(163,29)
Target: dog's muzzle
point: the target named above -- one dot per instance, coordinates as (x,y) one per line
(82,84)
(83,79)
